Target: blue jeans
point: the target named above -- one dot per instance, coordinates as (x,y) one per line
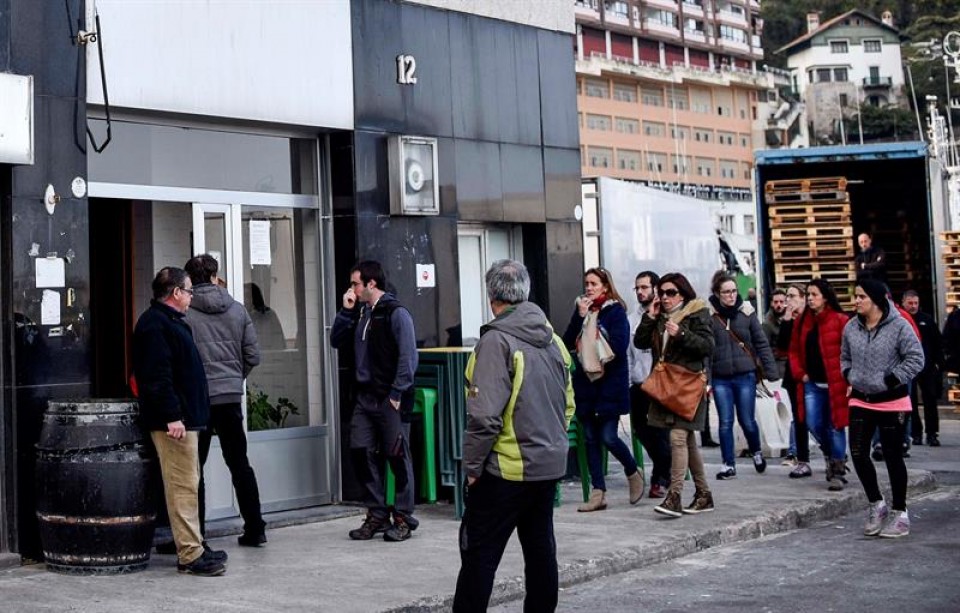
(737,392)
(601,431)
(816,404)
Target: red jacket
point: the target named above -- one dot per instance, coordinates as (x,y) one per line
(830,325)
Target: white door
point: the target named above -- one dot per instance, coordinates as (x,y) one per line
(479,247)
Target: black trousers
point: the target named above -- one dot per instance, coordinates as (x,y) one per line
(226,420)
(892,425)
(655,440)
(495,507)
(929,383)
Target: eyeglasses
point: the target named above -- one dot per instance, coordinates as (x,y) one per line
(669,293)
(728,292)
(186,289)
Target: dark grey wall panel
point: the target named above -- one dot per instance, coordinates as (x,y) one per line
(428,104)
(474,77)
(558,98)
(521,171)
(479,183)
(564,270)
(377,39)
(561,171)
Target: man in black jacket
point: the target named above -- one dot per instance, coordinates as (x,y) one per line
(871,262)
(930,379)
(385,353)
(174,407)
(227,342)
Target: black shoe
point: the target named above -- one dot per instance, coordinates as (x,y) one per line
(400,531)
(370,527)
(706,441)
(759,462)
(204,566)
(917,440)
(877,454)
(166,549)
(728,472)
(933,440)
(906,450)
(412,522)
(252,540)
(214,554)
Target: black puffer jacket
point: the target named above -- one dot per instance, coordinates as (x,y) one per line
(729,357)
(170,379)
(226,339)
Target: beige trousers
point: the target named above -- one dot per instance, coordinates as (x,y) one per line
(180,467)
(685,453)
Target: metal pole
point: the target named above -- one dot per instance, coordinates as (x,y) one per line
(915,107)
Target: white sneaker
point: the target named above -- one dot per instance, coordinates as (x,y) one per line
(876,516)
(897,526)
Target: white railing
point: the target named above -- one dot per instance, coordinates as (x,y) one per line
(695,35)
(666,4)
(654,25)
(733,44)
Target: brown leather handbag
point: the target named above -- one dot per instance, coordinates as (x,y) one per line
(677,388)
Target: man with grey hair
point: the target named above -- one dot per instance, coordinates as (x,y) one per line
(519,405)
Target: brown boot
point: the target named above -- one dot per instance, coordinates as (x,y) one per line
(836,469)
(637,485)
(597,502)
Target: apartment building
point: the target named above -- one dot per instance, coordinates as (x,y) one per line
(840,64)
(670,93)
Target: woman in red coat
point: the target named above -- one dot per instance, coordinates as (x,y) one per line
(815,365)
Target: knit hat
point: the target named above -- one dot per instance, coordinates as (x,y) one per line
(877,290)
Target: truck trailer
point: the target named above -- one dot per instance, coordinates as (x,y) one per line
(896,192)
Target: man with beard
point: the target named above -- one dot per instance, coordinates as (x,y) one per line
(771,327)
(655,440)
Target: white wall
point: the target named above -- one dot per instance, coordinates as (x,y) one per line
(546,14)
(283,61)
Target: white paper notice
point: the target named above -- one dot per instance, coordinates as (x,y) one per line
(259,242)
(426,275)
(50,308)
(50,272)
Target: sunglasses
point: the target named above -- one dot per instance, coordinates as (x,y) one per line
(669,293)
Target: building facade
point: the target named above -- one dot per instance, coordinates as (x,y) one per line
(843,63)
(671,92)
(267,139)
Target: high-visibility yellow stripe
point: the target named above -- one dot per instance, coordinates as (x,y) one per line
(568,361)
(507,447)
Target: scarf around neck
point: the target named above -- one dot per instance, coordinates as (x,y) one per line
(727,312)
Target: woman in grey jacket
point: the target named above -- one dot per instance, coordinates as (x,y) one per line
(879,356)
(740,342)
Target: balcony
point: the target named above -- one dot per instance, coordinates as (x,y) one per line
(693,10)
(587,8)
(696,36)
(654,25)
(731,18)
(877,82)
(599,65)
(734,45)
(670,5)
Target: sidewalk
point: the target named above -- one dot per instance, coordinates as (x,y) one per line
(315,567)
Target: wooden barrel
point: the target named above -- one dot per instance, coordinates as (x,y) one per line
(95,502)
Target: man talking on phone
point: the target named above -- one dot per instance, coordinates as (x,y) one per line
(385,357)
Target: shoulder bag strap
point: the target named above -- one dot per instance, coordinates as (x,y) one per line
(745,347)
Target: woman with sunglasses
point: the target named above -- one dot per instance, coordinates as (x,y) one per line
(678,330)
(821,390)
(601,383)
(881,354)
(742,357)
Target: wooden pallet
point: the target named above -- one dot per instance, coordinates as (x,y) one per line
(805,250)
(951,249)
(841,276)
(810,208)
(812,232)
(813,219)
(806,185)
(831,197)
(953,395)
(815,267)
(951,236)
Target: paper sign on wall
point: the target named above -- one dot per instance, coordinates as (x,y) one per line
(50,272)
(50,308)
(426,275)
(259,242)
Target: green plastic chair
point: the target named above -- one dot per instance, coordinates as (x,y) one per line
(424,404)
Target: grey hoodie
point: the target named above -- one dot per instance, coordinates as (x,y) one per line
(519,399)
(878,360)
(227,341)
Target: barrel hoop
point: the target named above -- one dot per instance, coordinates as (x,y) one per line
(63,558)
(60,451)
(97,521)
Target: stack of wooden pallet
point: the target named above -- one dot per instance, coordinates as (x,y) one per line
(812,233)
(951,265)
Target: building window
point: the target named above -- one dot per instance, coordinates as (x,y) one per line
(823,75)
(665,18)
(628,160)
(627,126)
(598,122)
(624,92)
(730,33)
(725,138)
(843,100)
(749,224)
(872,46)
(728,169)
(838,46)
(656,162)
(840,75)
(619,9)
(678,99)
(651,96)
(705,167)
(703,136)
(679,133)
(597,89)
(681,164)
(651,128)
(744,140)
(600,157)
(726,223)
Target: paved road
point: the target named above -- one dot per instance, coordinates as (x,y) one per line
(828,567)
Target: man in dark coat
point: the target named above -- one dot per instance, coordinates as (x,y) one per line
(174,407)
(871,262)
(930,379)
(385,355)
(227,342)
